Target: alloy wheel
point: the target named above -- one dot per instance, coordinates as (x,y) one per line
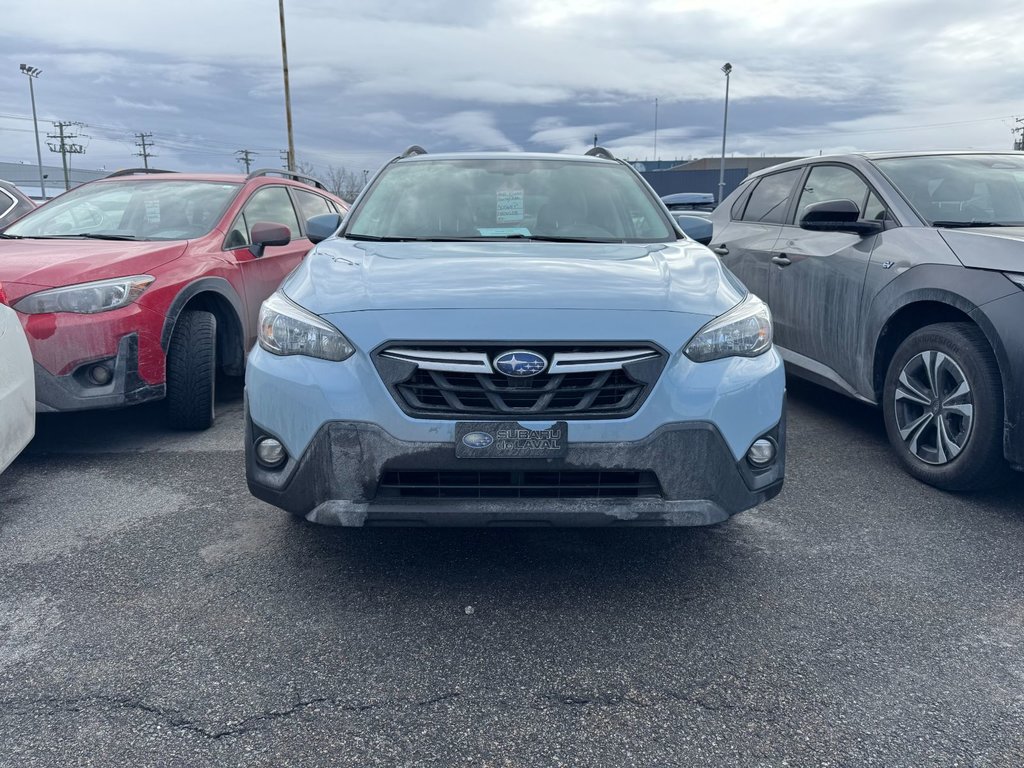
(934,407)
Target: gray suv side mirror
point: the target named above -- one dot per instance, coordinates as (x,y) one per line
(319,228)
(838,216)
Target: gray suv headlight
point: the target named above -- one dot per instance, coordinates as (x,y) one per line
(743,331)
(288,329)
(86,298)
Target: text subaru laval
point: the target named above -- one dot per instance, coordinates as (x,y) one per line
(508,338)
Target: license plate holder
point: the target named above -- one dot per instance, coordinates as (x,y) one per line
(510,440)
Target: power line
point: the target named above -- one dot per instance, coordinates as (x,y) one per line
(65,146)
(245,156)
(144,152)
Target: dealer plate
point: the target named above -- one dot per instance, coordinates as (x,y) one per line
(509,440)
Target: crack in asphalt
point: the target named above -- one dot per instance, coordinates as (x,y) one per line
(175,719)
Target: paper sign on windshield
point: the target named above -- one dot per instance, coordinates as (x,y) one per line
(510,206)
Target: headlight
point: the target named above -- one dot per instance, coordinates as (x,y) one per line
(288,329)
(743,331)
(87,298)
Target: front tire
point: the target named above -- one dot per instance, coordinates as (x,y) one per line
(192,371)
(943,408)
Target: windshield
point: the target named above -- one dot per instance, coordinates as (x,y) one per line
(502,198)
(131,210)
(961,190)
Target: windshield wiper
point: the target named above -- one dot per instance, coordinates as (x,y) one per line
(379,239)
(480,239)
(555,239)
(104,236)
(90,235)
(968,224)
(11,237)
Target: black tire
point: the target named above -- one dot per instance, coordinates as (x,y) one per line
(943,359)
(192,371)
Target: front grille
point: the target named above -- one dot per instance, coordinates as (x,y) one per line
(457,484)
(574,389)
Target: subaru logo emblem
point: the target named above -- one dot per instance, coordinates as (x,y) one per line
(520,363)
(477,440)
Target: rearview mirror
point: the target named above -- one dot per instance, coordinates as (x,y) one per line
(265,234)
(319,228)
(838,216)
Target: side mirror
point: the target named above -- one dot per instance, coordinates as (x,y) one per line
(319,228)
(266,234)
(696,227)
(838,216)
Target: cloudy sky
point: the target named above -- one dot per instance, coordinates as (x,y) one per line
(370,77)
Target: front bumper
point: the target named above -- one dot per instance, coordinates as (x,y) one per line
(74,392)
(1000,321)
(335,480)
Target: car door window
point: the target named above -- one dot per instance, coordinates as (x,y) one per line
(269,204)
(769,202)
(831,182)
(7,202)
(310,205)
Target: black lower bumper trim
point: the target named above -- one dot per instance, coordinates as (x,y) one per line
(73,393)
(336,481)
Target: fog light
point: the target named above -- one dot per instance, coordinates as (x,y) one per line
(100,375)
(761,453)
(270,452)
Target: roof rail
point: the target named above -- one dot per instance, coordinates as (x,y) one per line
(288,175)
(413,150)
(133,171)
(600,152)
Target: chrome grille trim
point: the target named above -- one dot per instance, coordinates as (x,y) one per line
(584,362)
(436,360)
(478,362)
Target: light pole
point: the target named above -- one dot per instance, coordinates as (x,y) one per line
(287,90)
(727,68)
(33,73)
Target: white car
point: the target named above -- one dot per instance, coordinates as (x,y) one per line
(17,387)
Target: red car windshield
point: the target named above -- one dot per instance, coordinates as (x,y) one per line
(130,210)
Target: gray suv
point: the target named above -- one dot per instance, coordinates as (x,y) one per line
(898,279)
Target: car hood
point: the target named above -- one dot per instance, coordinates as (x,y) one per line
(27,265)
(347,276)
(999,248)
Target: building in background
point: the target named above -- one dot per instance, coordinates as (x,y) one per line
(25,176)
(701,175)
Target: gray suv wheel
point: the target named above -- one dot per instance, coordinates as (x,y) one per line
(943,406)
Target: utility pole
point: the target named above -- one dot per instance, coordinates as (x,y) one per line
(1018,141)
(283,153)
(245,157)
(144,152)
(65,146)
(595,139)
(655,130)
(287,90)
(33,73)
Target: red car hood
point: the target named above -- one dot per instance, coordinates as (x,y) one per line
(26,266)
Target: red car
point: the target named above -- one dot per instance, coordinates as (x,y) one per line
(143,286)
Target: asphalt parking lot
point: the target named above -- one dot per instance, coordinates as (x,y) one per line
(153,613)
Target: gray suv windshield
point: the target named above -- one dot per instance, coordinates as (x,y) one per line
(961,190)
(492,198)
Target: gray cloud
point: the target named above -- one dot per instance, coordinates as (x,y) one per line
(369,78)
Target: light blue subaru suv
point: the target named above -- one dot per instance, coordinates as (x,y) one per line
(512,339)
